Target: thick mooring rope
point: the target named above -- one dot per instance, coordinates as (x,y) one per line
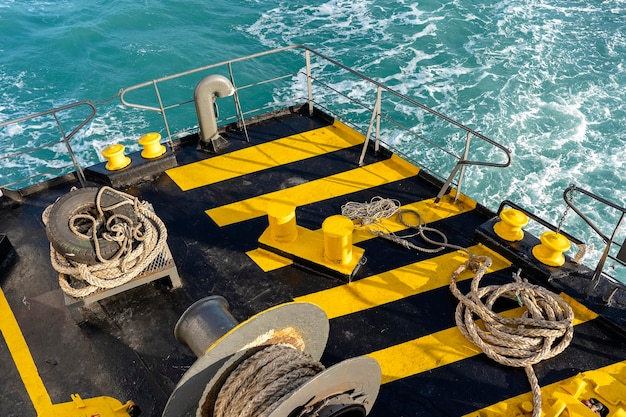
(140,242)
(543,331)
(259,384)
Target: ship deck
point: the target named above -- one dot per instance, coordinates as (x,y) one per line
(398,308)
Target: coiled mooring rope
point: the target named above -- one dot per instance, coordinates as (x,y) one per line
(543,331)
(369,213)
(140,241)
(368,216)
(259,384)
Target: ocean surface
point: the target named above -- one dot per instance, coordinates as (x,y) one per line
(546,78)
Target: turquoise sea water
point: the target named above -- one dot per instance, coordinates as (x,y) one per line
(546,78)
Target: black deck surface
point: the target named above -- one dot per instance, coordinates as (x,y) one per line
(126,349)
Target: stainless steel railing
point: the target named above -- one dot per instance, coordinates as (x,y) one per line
(320,77)
(65,139)
(298,75)
(163,108)
(614,251)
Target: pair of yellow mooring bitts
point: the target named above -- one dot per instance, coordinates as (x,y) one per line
(549,251)
(116,159)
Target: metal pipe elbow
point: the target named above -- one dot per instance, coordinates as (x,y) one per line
(204,96)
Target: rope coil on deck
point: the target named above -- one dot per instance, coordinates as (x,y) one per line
(369,216)
(140,242)
(543,331)
(370,213)
(260,383)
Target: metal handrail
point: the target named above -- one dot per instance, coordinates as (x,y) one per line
(161,109)
(314,76)
(65,138)
(463,160)
(421,106)
(568,195)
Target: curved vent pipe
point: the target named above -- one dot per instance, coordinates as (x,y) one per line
(204,96)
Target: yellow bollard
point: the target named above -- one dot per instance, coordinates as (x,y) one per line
(152,147)
(338,239)
(115,157)
(510,225)
(282,220)
(550,251)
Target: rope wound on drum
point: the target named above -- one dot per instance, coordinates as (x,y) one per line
(100,245)
(261,382)
(544,329)
(267,366)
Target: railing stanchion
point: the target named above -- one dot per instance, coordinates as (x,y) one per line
(375,118)
(465,155)
(600,267)
(307,57)
(379,92)
(77,167)
(443,189)
(162,111)
(241,122)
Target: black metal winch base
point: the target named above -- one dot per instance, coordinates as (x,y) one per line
(140,170)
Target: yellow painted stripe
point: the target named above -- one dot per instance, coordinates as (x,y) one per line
(78,407)
(396,284)
(387,171)
(268,261)
(443,348)
(268,155)
(429,211)
(23,360)
(609,380)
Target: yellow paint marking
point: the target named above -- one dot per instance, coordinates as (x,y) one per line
(23,360)
(608,384)
(443,348)
(389,170)
(429,211)
(78,407)
(268,261)
(267,155)
(396,284)
(581,313)
(309,246)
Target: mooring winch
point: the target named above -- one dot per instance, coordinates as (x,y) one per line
(267,366)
